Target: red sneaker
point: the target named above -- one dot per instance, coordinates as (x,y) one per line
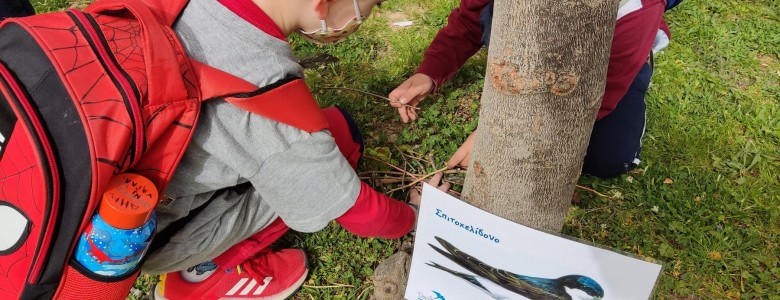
(266,276)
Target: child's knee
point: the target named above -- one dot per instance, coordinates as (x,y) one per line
(346,133)
(609,165)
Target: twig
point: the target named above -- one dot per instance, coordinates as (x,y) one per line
(368,93)
(597,209)
(390,180)
(454,182)
(454,171)
(390,165)
(404,154)
(593,191)
(360,296)
(430,160)
(406,165)
(337,285)
(379,172)
(418,180)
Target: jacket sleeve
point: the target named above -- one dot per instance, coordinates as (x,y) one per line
(376,215)
(455,43)
(631,45)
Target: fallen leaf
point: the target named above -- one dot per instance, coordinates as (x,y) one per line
(668,181)
(733,294)
(715,255)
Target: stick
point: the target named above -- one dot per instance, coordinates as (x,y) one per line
(390,180)
(430,160)
(337,285)
(454,171)
(366,173)
(368,93)
(417,181)
(391,165)
(408,155)
(593,191)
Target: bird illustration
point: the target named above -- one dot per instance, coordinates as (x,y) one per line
(471,279)
(438,296)
(569,287)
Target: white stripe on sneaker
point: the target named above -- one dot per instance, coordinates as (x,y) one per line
(238,286)
(261,288)
(248,288)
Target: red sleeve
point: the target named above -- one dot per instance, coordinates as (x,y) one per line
(376,215)
(631,46)
(455,43)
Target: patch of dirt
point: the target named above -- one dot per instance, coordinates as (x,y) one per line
(766,60)
(465,107)
(384,50)
(395,16)
(409,13)
(390,128)
(80,4)
(743,83)
(768,65)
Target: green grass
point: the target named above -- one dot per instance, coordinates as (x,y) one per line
(713,130)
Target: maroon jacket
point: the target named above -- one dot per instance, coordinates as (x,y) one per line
(638,24)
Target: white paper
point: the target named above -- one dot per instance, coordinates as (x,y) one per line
(403,23)
(516,249)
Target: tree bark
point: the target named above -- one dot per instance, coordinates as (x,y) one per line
(547,66)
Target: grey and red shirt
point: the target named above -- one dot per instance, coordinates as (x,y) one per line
(287,173)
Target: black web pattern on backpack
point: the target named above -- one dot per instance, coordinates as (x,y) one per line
(22,174)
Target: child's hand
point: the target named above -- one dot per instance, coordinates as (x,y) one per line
(411,92)
(462,157)
(414,195)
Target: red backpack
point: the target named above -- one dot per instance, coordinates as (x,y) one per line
(87,95)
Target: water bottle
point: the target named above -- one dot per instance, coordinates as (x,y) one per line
(121,229)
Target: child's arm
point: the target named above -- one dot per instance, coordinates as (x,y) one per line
(631,45)
(377,215)
(455,43)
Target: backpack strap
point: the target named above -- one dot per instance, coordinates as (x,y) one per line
(166,10)
(288,101)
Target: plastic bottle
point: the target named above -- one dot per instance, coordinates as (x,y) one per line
(120,231)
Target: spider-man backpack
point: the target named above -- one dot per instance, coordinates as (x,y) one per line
(87,95)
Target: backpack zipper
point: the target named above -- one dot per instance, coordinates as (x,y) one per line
(129,92)
(51,171)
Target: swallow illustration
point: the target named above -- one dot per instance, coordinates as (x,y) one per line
(438,296)
(471,279)
(569,287)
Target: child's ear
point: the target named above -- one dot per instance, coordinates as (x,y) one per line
(321,7)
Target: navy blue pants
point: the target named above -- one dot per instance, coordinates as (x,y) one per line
(616,140)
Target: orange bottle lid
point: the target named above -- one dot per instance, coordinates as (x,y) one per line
(128,201)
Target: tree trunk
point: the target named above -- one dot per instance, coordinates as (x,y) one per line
(547,66)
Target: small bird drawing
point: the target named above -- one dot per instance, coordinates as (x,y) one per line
(569,287)
(438,296)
